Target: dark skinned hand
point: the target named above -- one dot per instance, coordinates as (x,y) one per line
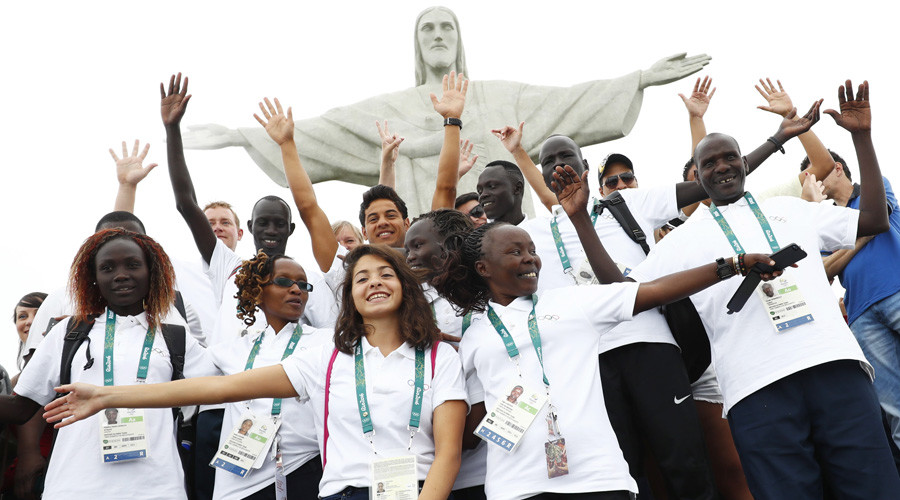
(571,191)
(855,114)
(174,102)
(792,126)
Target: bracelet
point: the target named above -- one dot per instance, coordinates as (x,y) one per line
(735,263)
(779,145)
(742,265)
(453,121)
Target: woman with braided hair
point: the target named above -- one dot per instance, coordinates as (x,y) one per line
(277,286)
(389,406)
(122,285)
(546,343)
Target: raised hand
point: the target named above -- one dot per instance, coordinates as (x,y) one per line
(571,191)
(278,125)
(779,101)
(390,143)
(466,158)
(792,126)
(174,102)
(698,102)
(510,137)
(672,68)
(130,169)
(453,97)
(855,114)
(81,402)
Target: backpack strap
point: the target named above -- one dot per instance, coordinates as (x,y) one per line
(174,336)
(619,210)
(179,305)
(76,333)
(327,394)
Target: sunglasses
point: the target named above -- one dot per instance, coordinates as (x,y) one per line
(477,211)
(287,283)
(613,180)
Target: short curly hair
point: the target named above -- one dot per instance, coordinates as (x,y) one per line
(252,276)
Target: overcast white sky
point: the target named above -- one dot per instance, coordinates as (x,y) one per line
(80,77)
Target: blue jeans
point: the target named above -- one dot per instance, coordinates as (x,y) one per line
(878,332)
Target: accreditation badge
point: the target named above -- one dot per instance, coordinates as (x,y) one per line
(246,446)
(123,435)
(784,303)
(506,423)
(394,478)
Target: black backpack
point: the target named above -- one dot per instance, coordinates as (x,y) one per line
(682,317)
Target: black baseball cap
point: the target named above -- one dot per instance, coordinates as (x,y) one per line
(614,159)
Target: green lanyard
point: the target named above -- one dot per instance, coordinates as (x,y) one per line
(109,344)
(760,217)
(362,401)
(557,238)
(292,344)
(467,322)
(511,344)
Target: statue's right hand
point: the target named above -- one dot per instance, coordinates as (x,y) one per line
(211,136)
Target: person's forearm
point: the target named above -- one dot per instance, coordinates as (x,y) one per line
(448,424)
(601,263)
(873,215)
(837,261)
(185,197)
(820,161)
(760,154)
(676,286)
(324,244)
(16,410)
(441,476)
(125,198)
(386,175)
(698,131)
(29,435)
(448,170)
(534,178)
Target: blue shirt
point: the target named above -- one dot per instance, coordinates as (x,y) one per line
(874,273)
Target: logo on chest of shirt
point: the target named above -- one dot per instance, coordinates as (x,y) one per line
(548,317)
(412,383)
(776,218)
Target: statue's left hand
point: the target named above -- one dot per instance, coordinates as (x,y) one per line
(280,126)
(453,98)
(672,68)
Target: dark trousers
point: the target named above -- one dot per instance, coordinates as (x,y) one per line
(302,484)
(470,493)
(598,495)
(648,395)
(815,430)
(209,427)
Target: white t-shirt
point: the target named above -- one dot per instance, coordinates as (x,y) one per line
(747,351)
(651,209)
(76,468)
(389,388)
(298,436)
(571,321)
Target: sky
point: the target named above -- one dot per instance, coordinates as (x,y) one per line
(81,77)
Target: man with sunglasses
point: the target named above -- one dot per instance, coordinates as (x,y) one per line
(616,173)
(467,203)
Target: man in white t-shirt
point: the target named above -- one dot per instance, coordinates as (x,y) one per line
(795,383)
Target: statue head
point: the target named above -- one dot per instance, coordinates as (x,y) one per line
(438,43)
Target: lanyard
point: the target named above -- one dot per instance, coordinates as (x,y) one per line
(557,238)
(760,217)
(109,343)
(362,401)
(466,323)
(292,344)
(510,344)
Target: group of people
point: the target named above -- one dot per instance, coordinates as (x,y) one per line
(474,352)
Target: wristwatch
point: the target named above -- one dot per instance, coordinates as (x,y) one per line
(724,270)
(453,121)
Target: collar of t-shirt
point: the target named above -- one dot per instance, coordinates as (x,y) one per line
(430,293)
(130,321)
(520,304)
(404,350)
(739,203)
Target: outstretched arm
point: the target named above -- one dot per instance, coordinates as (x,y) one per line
(173,105)
(696,105)
(15,409)
(453,100)
(390,150)
(779,102)
(280,127)
(672,68)
(837,261)
(511,138)
(83,400)
(855,116)
(130,171)
(791,126)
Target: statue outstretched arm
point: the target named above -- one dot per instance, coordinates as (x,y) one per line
(280,127)
(672,68)
(779,102)
(130,171)
(172,107)
(511,138)
(451,105)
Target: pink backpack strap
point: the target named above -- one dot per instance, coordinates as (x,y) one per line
(327,394)
(434,356)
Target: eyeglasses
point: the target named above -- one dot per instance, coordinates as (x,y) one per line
(287,283)
(613,180)
(477,211)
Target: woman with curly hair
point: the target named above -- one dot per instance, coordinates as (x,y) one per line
(122,285)
(375,395)
(277,287)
